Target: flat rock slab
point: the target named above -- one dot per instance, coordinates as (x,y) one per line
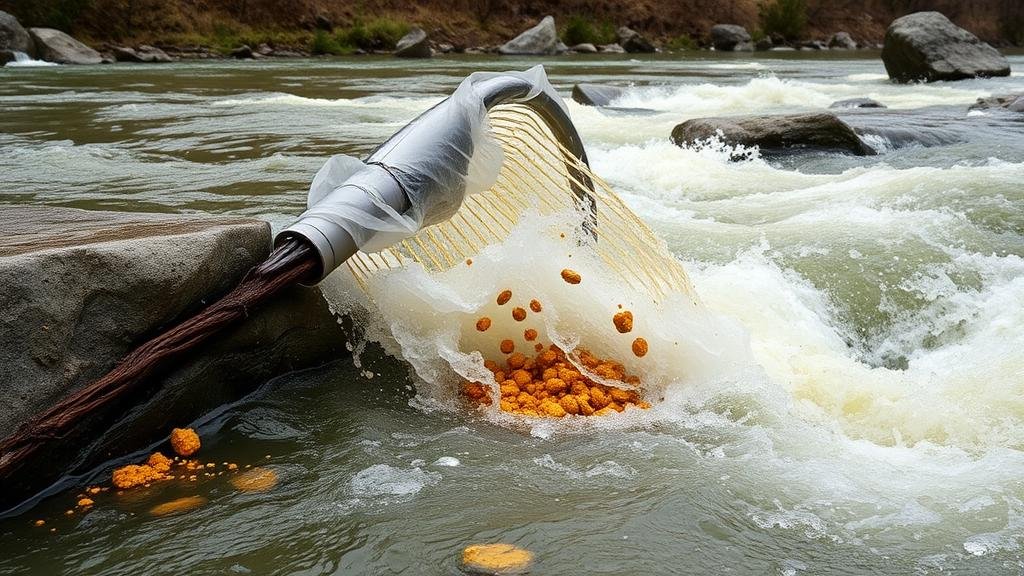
(596,94)
(79,289)
(816,131)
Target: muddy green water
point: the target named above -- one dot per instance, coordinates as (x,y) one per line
(863,411)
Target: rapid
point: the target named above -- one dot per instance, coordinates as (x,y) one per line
(848,396)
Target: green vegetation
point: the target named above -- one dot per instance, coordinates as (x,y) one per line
(376,34)
(785,18)
(683,42)
(581,30)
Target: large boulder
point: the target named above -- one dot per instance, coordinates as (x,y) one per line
(79,289)
(816,131)
(56,46)
(415,44)
(731,37)
(541,40)
(633,41)
(596,94)
(13,37)
(927,46)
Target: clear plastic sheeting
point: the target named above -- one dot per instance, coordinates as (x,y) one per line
(421,175)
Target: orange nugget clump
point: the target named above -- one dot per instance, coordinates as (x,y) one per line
(530,335)
(483,324)
(39,522)
(640,347)
(496,558)
(518,314)
(134,475)
(84,502)
(507,346)
(185,441)
(159,462)
(549,384)
(504,297)
(535,305)
(623,321)
(571,276)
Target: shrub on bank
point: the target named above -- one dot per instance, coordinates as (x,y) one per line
(785,18)
(581,30)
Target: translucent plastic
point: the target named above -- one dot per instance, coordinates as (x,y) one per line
(423,173)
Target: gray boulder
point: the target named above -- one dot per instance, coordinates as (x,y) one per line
(585,48)
(842,41)
(78,289)
(763,45)
(415,44)
(772,134)
(13,36)
(634,42)
(857,103)
(927,46)
(56,46)
(541,40)
(731,37)
(7,56)
(596,94)
(613,48)
(144,53)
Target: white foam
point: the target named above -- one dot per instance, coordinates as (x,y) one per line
(384,480)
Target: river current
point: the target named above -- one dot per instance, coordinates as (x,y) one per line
(852,403)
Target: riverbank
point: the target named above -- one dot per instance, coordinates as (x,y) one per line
(213,29)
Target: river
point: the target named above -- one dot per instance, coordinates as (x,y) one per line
(859,405)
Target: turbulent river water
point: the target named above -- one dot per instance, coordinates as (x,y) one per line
(854,402)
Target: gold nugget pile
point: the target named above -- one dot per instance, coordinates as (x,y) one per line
(547,383)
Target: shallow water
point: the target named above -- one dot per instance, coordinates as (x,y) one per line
(851,402)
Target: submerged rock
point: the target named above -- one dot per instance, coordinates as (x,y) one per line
(415,44)
(731,37)
(13,37)
(857,103)
(56,46)
(999,101)
(817,131)
(633,41)
(79,289)
(596,94)
(927,46)
(541,40)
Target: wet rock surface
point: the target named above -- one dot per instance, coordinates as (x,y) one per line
(596,94)
(816,131)
(857,103)
(633,41)
(55,46)
(14,37)
(926,46)
(79,289)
